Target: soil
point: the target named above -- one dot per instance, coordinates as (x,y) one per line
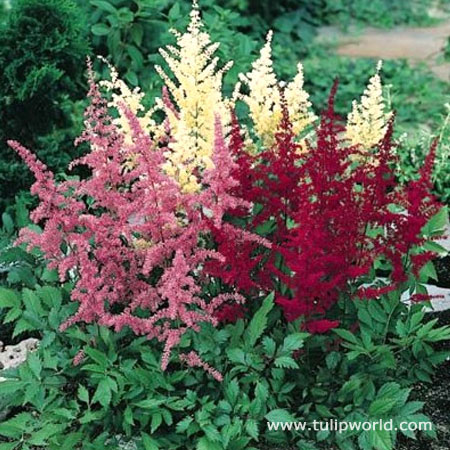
(443,271)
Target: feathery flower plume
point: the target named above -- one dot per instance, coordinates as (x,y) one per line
(136,243)
(197,95)
(264,99)
(366,124)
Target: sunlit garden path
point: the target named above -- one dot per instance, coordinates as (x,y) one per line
(416,44)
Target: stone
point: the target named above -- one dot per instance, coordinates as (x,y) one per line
(12,356)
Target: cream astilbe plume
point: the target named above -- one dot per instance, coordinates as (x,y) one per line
(264,99)
(197,96)
(122,95)
(366,124)
(298,104)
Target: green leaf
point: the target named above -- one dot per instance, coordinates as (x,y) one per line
(8,298)
(269,346)
(236,355)
(41,436)
(71,441)
(251,426)
(279,415)
(427,272)
(149,403)
(128,416)
(100,29)
(8,223)
(205,444)
(212,433)
(136,56)
(103,393)
(332,360)
(380,439)
(137,34)
(293,342)
(259,322)
(51,296)
(22,325)
(183,425)
(104,5)
(97,356)
(381,406)
(346,335)
(34,363)
(156,421)
(8,387)
(438,222)
(232,391)
(8,445)
(148,442)
(175,12)
(285,362)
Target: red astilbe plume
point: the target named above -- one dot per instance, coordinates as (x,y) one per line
(326,248)
(338,200)
(270,179)
(131,240)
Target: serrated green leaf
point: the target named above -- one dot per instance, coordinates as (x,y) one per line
(8,298)
(346,335)
(259,322)
(156,421)
(269,346)
(251,427)
(148,442)
(205,444)
(285,362)
(149,403)
(293,342)
(34,363)
(279,415)
(183,424)
(232,391)
(97,356)
(103,393)
(380,439)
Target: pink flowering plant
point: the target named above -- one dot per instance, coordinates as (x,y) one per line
(225,271)
(132,241)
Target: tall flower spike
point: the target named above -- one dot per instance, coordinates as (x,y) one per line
(298,104)
(264,100)
(131,98)
(367,122)
(197,95)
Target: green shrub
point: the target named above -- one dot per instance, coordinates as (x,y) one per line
(43,47)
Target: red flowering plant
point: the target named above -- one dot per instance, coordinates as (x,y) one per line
(330,203)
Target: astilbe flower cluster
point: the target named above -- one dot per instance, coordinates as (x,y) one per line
(276,205)
(332,207)
(130,237)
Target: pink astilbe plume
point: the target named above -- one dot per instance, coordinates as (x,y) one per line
(132,240)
